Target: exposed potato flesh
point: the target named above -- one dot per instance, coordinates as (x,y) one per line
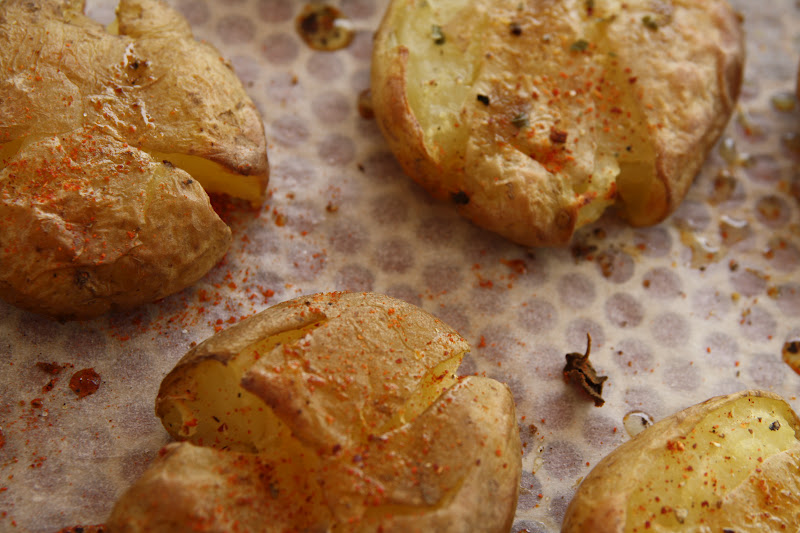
(732,463)
(215,178)
(104,136)
(534,117)
(351,403)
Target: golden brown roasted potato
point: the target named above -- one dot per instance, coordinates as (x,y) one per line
(104,136)
(533,117)
(731,463)
(332,412)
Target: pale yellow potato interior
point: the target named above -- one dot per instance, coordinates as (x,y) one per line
(209,407)
(688,479)
(441,81)
(433,384)
(637,173)
(440,78)
(217,411)
(214,177)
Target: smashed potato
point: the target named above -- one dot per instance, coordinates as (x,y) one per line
(731,463)
(332,412)
(534,117)
(108,139)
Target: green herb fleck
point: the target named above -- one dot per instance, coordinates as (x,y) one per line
(649,22)
(580,45)
(521,120)
(437,34)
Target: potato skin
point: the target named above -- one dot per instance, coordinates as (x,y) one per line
(75,243)
(455,470)
(601,502)
(153,86)
(492,150)
(340,461)
(348,402)
(120,225)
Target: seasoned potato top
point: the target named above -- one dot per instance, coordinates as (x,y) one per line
(146,82)
(535,116)
(336,368)
(108,140)
(731,463)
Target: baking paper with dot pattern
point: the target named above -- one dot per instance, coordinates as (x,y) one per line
(697,306)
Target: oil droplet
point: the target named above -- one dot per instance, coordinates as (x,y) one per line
(84,382)
(770,209)
(775,246)
(791,354)
(749,125)
(783,101)
(724,186)
(324,28)
(727,150)
(537,464)
(636,421)
(703,252)
(733,230)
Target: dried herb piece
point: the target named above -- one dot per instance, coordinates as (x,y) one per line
(791,354)
(558,136)
(649,22)
(580,371)
(775,426)
(49,385)
(482,98)
(580,45)
(516,29)
(437,35)
(521,120)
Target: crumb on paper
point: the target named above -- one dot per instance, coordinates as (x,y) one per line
(791,354)
(579,370)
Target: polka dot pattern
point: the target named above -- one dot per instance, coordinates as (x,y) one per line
(624,311)
(695,306)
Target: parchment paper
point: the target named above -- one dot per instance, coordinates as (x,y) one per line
(698,306)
